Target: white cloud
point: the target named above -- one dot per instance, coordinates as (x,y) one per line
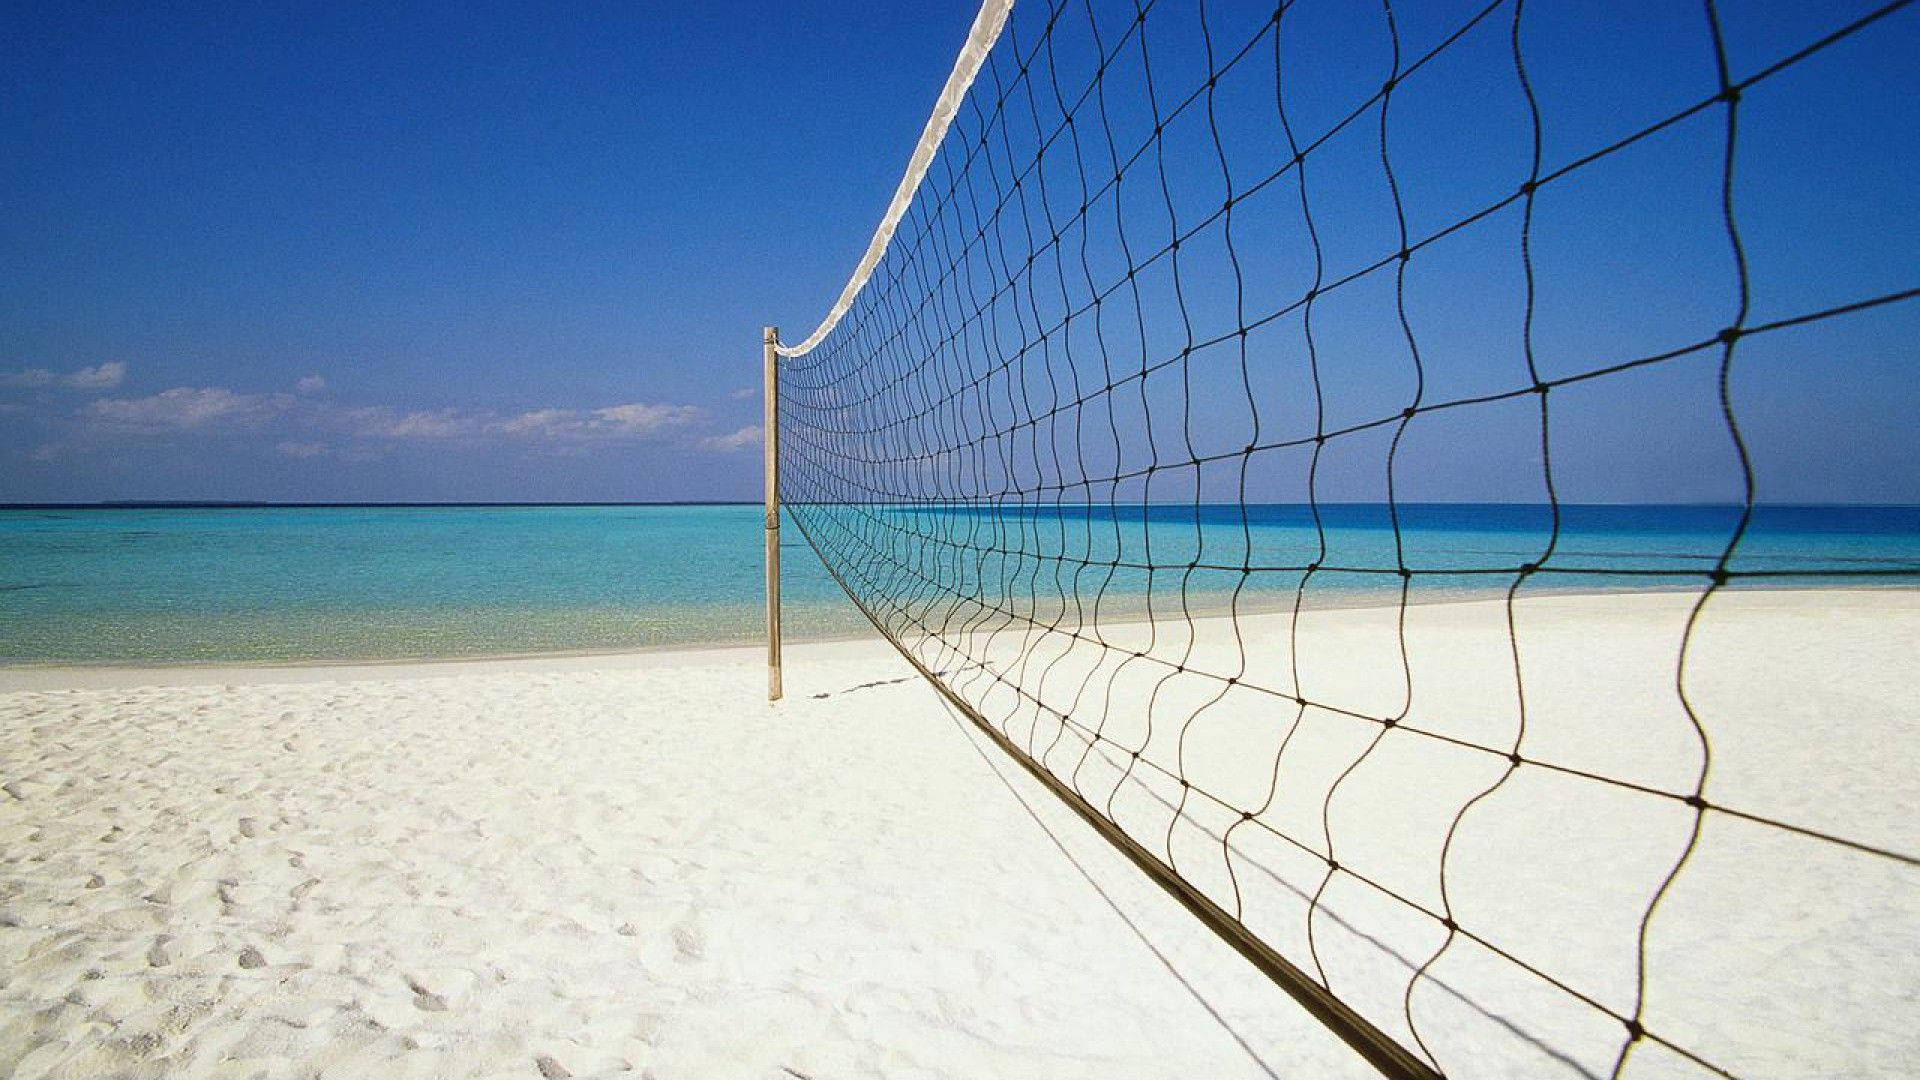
(96,377)
(746,392)
(540,421)
(312,384)
(632,421)
(27,378)
(642,419)
(383,423)
(306,425)
(99,377)
(733,440)
(183,408)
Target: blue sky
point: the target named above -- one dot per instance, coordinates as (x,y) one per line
(522,252)
(416,251)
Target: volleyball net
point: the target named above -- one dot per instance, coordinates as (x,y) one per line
(1207,348)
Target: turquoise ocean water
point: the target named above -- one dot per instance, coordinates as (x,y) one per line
(165,585)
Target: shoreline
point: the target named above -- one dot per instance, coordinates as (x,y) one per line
(1133,616)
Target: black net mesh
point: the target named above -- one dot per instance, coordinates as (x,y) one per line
(1149,437)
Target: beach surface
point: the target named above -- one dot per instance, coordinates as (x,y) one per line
(635,865)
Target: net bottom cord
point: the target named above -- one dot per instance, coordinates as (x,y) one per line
(1384,1053)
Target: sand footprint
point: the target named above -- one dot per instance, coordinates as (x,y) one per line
(299,892)
(425,999)
(689,943)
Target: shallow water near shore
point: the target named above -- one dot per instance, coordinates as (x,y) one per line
(320,584)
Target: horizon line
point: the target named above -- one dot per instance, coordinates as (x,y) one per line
(254,504)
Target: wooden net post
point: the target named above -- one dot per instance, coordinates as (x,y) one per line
(771,341)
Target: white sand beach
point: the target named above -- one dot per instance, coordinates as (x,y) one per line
(634,865)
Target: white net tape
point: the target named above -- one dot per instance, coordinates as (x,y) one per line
(987,25)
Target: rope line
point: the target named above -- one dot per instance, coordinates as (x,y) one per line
(1157,262)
